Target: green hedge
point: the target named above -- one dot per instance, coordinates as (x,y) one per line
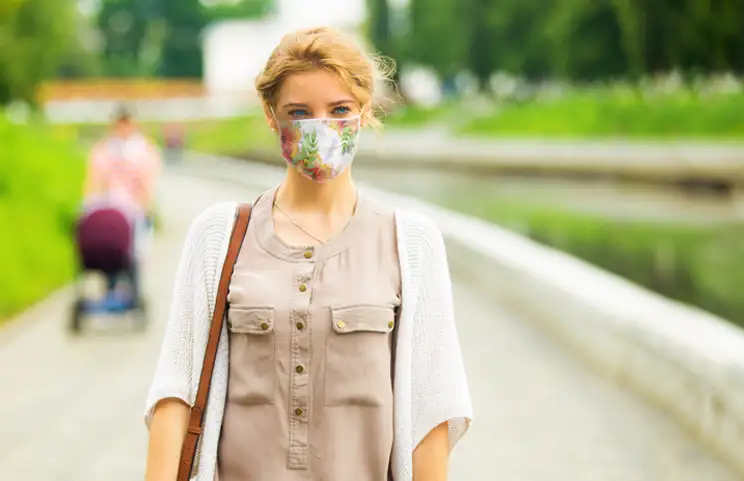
(597,113)
(41,174)
(699,265)
(618,114)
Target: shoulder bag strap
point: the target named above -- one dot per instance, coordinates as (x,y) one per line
(196,416)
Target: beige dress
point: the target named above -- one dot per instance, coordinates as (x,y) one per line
(309,392)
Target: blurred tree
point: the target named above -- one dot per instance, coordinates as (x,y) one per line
(9,7)
(440,35)
(631,23)
(35,35)
(122,24)
(584,40)
(181,54)
(480,60)
(378,14)
(243,9)
(572,39)
(512,37)
(80,62)
(381,33)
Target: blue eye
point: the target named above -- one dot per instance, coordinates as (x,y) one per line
(342,110)
(299,113)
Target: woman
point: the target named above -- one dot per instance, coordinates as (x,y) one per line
(124,166)
(122,172)
(340,359)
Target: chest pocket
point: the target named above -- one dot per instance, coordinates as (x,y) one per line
(252,355)
(358,356)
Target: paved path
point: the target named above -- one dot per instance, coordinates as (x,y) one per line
(71,408)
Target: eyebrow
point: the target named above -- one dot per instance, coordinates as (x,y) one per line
(332,104)
(294,104)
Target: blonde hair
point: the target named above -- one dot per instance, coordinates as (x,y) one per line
(323,47)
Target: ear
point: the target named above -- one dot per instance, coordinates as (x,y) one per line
(365,112)
(270,120)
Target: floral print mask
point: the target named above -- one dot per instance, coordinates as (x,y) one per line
(320,149)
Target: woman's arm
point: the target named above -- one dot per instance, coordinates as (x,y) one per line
(440,407)
(167,432)
(93,184)
(171,392)
(431,457)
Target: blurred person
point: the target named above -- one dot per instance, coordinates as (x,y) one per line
(174,141)
(122,171)
(340,358)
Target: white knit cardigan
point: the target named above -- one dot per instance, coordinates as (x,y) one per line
(430,385)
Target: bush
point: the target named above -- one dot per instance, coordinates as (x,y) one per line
(618,114)
(41,176)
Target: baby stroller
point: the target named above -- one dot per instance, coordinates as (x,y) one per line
(105,238)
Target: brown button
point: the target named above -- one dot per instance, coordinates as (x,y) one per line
(299,369)
(264,325)
(308,254)
(341,324)
(299,411)
(303,287)
(391,324)
(300,326)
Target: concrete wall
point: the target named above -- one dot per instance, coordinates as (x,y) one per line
(235,52)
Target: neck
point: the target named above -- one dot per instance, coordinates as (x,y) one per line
(299,193)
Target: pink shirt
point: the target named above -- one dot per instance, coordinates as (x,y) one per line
(124,171)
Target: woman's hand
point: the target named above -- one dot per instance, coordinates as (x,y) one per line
(431,456)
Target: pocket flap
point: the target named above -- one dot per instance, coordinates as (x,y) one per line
(250,320)
(363,318)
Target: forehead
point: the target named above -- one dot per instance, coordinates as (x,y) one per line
(318,87)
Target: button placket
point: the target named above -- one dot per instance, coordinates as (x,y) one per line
(299,369)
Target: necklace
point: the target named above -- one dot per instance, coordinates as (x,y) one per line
(296,224)
(290,219)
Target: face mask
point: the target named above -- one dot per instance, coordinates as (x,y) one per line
(320,149)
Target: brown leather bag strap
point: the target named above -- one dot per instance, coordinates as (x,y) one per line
(196,416)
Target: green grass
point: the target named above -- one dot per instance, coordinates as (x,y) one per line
(41,174)
(622,114)
(413,117)
(231,136)
(699,265)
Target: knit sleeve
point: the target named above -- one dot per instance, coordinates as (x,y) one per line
(440,390)
(173,371)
